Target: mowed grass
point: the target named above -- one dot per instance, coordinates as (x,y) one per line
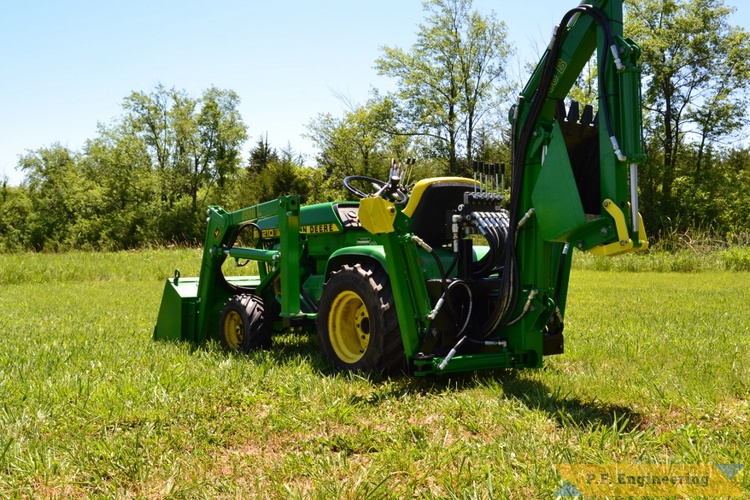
(656,370)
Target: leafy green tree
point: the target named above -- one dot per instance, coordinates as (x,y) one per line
(450,78)
(194,150)
(16,208)
(359,143)
(696,77)
(216,150)
(585,89)
(737,168)
(287,175)
(64,202)
(193,143)
(715,199)
(118,161)
(150,119)
(491,147)
(261,155)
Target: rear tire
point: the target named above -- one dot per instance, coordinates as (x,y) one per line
(357,325)
(243,325)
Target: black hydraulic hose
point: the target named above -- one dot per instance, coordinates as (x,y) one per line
(471,303)
(443,279)
(496,253)
(256,228)
(480,267)
(491,261)
(603,22)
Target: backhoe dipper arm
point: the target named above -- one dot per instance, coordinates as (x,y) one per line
(574,178)
(593,26)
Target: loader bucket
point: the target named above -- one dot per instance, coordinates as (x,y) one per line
(178,311)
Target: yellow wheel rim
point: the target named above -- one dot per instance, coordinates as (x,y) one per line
(234,330)
(349,327)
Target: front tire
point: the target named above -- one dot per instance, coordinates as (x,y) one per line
(357,325)
(243,325)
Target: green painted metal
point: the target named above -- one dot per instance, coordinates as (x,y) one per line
(290,248)
(408,283)
(561,214)
(356,253)
(178,310)
(221,228)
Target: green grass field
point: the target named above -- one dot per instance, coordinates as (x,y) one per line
(656,371)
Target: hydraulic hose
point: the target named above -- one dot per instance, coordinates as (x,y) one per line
(471,303)
(443,276)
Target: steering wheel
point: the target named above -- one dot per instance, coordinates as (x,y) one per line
(399,196)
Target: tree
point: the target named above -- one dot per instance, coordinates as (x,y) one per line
(193,143)
(145,178)
(217,146)
(447,81)
(65,203)
(150,120)
(696,78)
(284,176)
(118,161)
(585,90)
(359,143)
(14,224)
(262,155)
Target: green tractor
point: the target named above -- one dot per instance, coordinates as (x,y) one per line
(443,275)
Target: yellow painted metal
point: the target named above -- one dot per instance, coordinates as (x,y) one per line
(642,238)
(624,243)
(377,214)
(233,329)
(421,186)
(349,326)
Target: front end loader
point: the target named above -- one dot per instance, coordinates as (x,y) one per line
(447,274)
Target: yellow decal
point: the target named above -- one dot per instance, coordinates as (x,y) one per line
(560,68)
(319,228)
(310,229)
(636,480)
(270,233)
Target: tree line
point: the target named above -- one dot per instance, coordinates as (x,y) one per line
(146,178)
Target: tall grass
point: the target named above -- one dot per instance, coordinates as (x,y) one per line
(79,266)
(656,370)
(681,261)
(693,250)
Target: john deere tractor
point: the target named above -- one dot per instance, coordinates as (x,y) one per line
(445,274)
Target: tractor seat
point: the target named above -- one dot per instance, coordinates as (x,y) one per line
(430,201)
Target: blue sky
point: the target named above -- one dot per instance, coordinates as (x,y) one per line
(68,64)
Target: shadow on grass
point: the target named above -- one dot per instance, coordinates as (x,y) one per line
(565,409)
(512,384)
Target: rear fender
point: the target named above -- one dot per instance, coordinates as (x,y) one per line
(355,255)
